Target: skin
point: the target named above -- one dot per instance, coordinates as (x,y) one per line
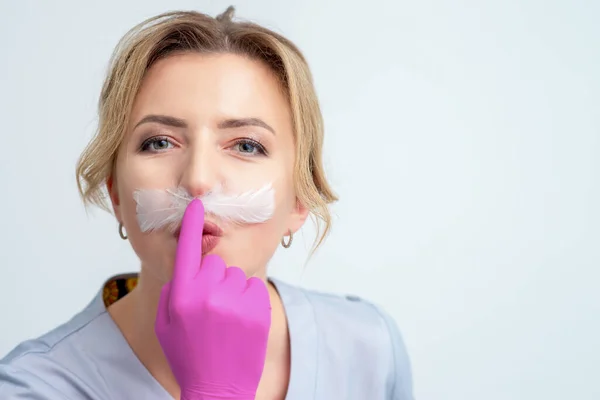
(205,93)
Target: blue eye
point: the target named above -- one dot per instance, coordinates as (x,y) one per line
(250,147)
(156,144)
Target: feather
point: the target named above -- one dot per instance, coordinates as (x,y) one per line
(164,209)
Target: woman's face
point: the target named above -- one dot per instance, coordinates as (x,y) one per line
(204,120)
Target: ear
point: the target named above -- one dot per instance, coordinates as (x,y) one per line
(298,217)
(113,193)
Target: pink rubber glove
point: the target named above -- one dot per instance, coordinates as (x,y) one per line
(212,323)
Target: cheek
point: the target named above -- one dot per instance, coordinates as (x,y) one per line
(127,183)
(133,175)
(250,247)
(277,226)
(156,251)
(285,193)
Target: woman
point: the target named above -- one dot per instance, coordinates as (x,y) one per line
(196,102)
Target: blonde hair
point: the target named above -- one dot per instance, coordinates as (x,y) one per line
(181,31)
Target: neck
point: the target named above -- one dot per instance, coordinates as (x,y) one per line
(135,316)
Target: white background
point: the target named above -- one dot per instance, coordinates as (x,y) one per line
(463,138)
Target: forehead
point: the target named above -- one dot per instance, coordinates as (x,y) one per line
(203,88)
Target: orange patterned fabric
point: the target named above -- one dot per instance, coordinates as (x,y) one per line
(117,288)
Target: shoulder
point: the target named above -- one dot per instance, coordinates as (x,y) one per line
(370,327)
(365,332)
(52,365)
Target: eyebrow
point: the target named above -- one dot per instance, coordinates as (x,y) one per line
(226,124)
(163,120)
(241,122)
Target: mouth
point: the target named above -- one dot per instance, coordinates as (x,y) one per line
(211,235)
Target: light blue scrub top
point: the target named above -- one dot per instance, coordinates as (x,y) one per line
(342,348)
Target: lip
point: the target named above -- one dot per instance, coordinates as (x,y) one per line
(211,235)
(212,229)
(209,242)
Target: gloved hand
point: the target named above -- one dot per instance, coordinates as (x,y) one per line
(212,323)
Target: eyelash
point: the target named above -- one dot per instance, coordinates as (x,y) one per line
(259,147)
(148,142)
(261,151)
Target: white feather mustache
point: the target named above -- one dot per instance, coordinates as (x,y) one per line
(164,208)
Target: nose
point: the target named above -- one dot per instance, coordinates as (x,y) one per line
(199,172)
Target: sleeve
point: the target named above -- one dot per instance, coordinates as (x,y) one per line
(16,384)
(402,387)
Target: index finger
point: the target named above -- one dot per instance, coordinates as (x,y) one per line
(189,247)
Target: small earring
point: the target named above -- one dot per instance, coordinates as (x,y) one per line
(289,242)
(121,231)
